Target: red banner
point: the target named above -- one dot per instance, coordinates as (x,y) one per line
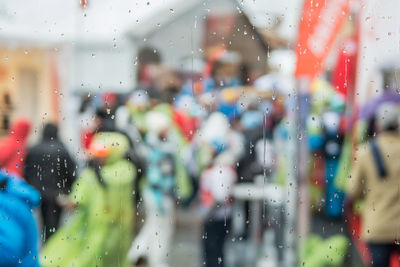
(83,3)
(343,75)
(320,22)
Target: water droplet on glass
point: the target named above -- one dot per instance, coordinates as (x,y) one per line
(299,136)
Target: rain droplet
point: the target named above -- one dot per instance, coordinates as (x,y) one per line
(299,136)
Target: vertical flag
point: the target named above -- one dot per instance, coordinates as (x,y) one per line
(83,3)
(320,22)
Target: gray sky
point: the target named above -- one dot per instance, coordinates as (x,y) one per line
(63,20)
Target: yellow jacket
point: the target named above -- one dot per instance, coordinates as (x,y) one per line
(381,213)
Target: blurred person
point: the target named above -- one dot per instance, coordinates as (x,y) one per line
(252,125)
(136,107)
(51,170)
(18,231)
(223,68)
(259,155)
(183,182)
(101,122)
(332,147)
(375,178)
(217,127)
(126,125)
(186,115)
(154,240)
(100,231)
(110,105)
(13,148)
(209,102)
(216,183)
(200,154)
(221,148)
(228,103)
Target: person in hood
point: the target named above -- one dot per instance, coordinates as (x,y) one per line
(13,148)
(154,240)
(99,232)
(51,170)
(102,122)
(18,229)
(375,179)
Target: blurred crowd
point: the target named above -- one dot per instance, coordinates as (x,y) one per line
(170,143)
(185,142)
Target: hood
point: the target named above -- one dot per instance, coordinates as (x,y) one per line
(216,127)
(21,128)
(116,143)
(17,188)
(157,122)
(50,132)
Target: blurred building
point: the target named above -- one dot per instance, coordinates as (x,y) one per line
(196,28)
(29,84)
(53,52)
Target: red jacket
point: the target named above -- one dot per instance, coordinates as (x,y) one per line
(13,148)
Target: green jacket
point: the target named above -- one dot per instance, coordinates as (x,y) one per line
(100,231)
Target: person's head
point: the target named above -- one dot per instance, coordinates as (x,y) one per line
(103,121)
(111,101)
(139,99)
(100,116)
(158,123)
(21,128)
(99,152)
(387,117)
(50,132)
(108,147)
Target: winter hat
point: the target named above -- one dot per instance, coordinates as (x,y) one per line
(21,128)
(331,122)
(50,131)
(111,146)
(387,116)
(215,128)
(139,98)
(156,122)
(207,99)
(229,95)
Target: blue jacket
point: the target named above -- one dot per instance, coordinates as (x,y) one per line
(18,229)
